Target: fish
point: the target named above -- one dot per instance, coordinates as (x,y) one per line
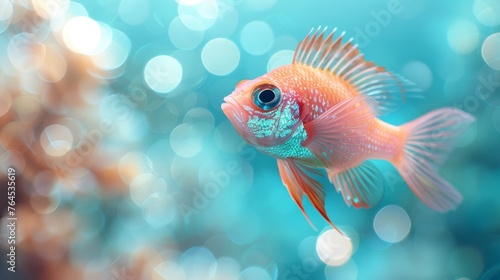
(322,112)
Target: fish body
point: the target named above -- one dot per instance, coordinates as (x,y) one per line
(321,112)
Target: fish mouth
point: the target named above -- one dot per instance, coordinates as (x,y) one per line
(235,113)
(233,110)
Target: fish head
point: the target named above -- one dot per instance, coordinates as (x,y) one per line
(263,111)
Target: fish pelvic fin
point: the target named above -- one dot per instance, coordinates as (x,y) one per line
(296,178)
(429,140)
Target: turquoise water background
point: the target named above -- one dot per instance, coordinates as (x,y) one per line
(128,169)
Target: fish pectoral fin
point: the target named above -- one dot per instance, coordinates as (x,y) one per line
(298,182)
(344,60)
(361,186)
(335,136)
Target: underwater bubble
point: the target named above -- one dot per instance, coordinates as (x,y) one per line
(257,37)
(159,211)
(133,12)
(254,272)
(463,36)
(487,12)
(198,263)
(82,34)
(163,73)
(145,186)
(25,53)
(419,73)
(183,37)
(348,271)
(200,15)
(466,261)
(392,224)
(220,56)
(280,58)
(186,140)
(334,248)
(491,51)
(56,140)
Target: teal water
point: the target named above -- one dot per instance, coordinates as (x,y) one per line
(128,169)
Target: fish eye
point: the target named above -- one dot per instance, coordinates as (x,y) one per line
(267,96)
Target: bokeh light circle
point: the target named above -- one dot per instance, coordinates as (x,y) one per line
(463,36)
(163,73)
(145,186)
(49,9)
(56,140)
(198,15)
(257,37)
(186,140)
(183,37)
(201,118)
(6,11)
(254,272)
(220,56)
(334,248)
(418,73)
(487,12)
(491,51)
(5,102)
(280,58)
(115,53)
(392,224)
(133,12)
(198,263)
(349,271)
(25,52)
(159,211)
(82,34)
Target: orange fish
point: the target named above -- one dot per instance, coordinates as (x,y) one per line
(320,112)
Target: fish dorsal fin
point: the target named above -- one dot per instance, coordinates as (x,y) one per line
(344,60)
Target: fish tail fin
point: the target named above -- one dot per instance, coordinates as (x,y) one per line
(428,142)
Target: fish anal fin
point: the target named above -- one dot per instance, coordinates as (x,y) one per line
(361,186)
